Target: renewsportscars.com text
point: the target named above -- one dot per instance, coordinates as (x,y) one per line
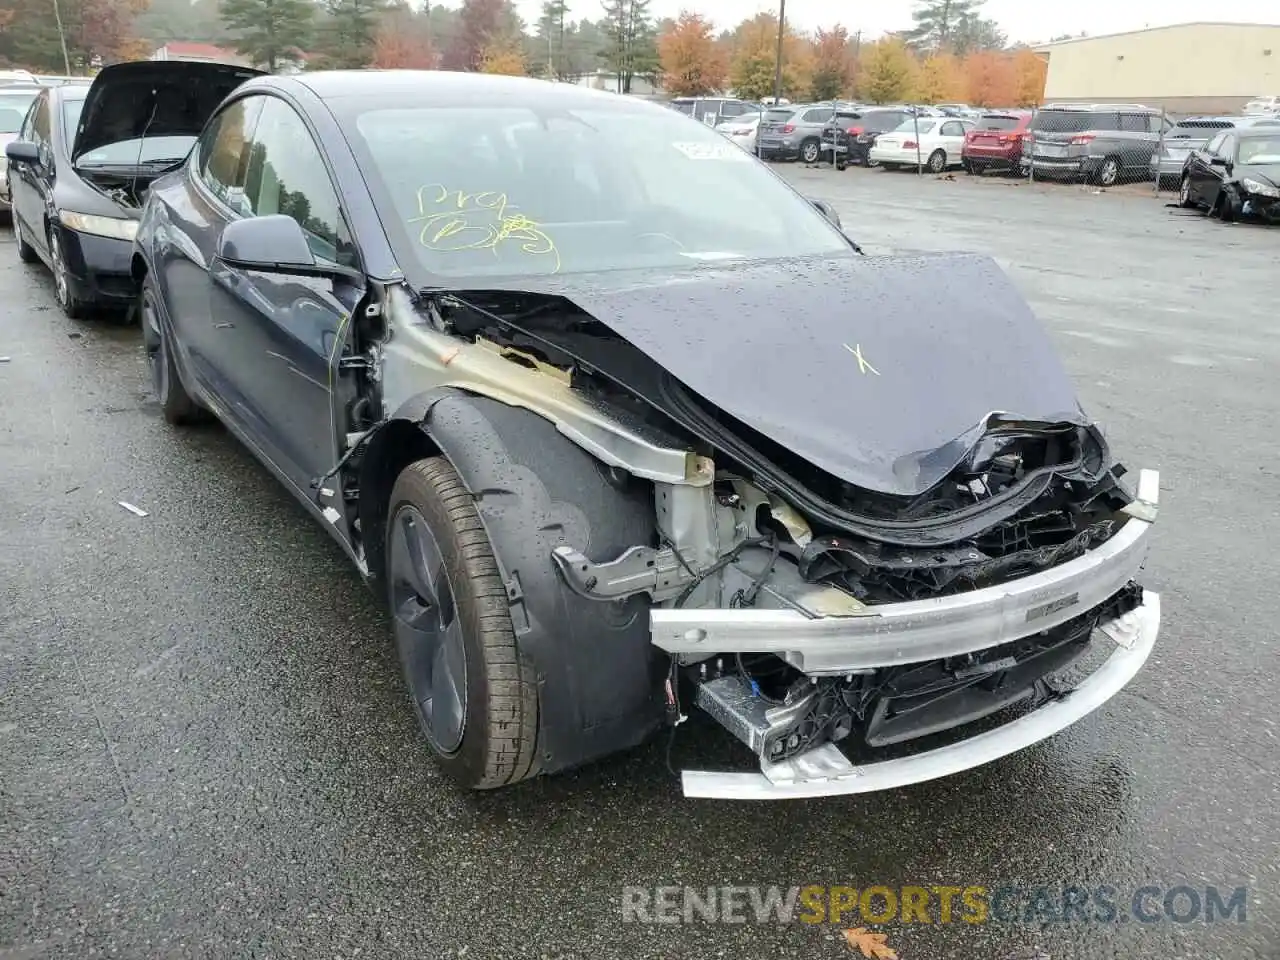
(851,906)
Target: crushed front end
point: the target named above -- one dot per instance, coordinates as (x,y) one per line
(824,652)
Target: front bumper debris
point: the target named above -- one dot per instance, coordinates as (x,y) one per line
(904,633)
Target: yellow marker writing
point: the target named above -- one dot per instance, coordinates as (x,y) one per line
(863,366)
(453,220)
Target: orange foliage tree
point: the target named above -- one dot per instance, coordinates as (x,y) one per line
(693,64)
(834,69)
(888,72)
(751,69)
(992,79)
(393,49)
(504,58)
(940,79)
(1030,71)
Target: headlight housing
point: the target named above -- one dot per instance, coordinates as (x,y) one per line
(1259,188)
(114,227)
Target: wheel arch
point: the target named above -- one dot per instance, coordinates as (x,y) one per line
(598,676)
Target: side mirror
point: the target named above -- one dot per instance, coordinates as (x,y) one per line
(827,211)
(22,151)
(271,244)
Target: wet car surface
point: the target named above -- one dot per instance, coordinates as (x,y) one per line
(207,749)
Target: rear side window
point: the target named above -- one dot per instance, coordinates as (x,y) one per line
(818,115)
(1064,121)
(992,121)
(778,116)
(684,106)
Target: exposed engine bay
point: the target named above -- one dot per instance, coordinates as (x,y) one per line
(129,191)
(903,582)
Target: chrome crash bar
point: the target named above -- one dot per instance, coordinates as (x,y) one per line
(826,772)
(920,630)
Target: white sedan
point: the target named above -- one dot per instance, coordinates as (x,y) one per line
(742,130)
(934,142)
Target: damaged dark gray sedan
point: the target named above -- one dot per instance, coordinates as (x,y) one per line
(622,427)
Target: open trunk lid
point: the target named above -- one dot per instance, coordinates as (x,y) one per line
(130,101)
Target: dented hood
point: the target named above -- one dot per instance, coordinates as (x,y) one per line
(882,371)
(153,98)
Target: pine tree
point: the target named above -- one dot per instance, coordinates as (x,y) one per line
(347,41)
(936,23)
(267,31)
(631,41)
(550,42)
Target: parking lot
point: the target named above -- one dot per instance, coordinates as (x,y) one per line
(207,749)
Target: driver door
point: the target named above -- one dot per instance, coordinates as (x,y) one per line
(29,183)
(1218,169)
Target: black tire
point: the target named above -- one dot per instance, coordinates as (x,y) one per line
(488,736)
(1228,206)
(1184,193)
(970,167)
(890,166)
(810,151)
(26,252)
(841,166)
(72,306)
(176,404)
(937,161)
(1109,172)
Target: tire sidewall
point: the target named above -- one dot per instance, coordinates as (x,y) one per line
(468,762)
(810,146)
(1112,166)
(162,369)
(937,162)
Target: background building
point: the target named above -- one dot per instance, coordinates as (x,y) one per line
(1187,68)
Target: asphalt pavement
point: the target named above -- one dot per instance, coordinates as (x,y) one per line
(206,749)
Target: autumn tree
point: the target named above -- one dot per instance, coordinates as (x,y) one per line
(345,40)
(403,40)
(267,31)
(1030,71)
(940,79)
(888,72)
(483,26)
(755,58)
(692,62)
(833,65)
(992,79)
(630,49)
(96,31)
(504,57)
(936,22)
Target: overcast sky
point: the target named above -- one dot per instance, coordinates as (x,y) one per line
(1026,20)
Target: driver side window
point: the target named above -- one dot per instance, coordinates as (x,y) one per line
(1213,145)
(1227,148)
(223,152)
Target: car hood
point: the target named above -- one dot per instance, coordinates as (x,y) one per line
(1266,172)
(169,98)
(882,371)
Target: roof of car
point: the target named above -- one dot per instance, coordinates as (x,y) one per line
(1101,107)
(443,88)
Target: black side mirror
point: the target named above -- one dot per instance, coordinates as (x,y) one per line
(22,151)
(271,244)
(827,211)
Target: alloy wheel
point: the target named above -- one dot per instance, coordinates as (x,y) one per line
(810,153)
(1184,192)
(428,629)
(61,285)
(1110,172)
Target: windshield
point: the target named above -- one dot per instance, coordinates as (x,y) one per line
(991,121)
(124,153)
(916,125)
(1259,150)
(13,109)
(503,191)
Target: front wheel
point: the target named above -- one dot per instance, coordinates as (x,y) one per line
(1184,192)
(1228,205)
(73,307)
(474,694)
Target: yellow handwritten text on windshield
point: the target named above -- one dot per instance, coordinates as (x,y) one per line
(453,220)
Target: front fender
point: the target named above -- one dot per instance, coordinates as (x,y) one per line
(599,678)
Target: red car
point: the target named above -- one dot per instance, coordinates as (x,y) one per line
(996,141)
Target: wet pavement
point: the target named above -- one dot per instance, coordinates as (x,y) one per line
(206,750)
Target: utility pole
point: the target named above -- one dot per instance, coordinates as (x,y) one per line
(777,66)
(62,38)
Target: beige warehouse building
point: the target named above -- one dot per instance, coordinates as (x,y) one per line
(1187,68)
